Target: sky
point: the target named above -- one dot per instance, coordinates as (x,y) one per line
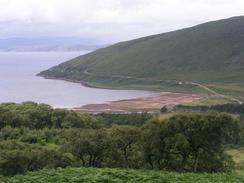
(108,21)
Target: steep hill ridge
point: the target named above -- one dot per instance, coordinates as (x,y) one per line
(210,53)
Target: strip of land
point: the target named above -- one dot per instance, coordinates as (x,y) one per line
(211,91)
(155,101)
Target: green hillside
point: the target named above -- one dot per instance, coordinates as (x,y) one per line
(210,53)
(95,175)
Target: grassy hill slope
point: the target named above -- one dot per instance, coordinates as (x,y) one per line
(93,175)
(210,53)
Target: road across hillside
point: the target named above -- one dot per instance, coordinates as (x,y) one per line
(215,93)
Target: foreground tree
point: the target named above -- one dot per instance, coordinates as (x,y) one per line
(89,146)
(190,142)
(124,145)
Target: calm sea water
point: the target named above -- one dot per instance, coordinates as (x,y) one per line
(18,82)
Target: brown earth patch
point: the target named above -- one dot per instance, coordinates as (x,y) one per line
(155,101)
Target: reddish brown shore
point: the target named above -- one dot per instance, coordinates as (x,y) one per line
(155,101)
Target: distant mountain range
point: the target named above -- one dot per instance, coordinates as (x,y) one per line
(48,44)
(211,54)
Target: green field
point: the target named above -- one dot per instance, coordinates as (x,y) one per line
(235,90)
(210,101)
(106,175)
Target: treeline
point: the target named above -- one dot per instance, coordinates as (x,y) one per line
(134,119)
(184,143)
(39,116)
(230,108)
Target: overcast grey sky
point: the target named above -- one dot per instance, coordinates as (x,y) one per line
(108,20)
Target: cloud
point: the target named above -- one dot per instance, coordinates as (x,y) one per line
(108,20)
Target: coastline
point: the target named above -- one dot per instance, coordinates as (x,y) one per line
(152,102)
(90,85)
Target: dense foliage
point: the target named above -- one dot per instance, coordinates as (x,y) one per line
(39,116)
(134,119)
(93,175)
(31,140)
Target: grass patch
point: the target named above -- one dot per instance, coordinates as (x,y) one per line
(212,100)
(106,175)
(238,157)
(230,90)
